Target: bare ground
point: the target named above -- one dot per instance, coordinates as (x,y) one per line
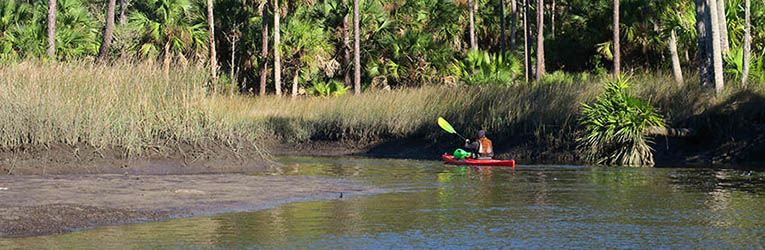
(36,205)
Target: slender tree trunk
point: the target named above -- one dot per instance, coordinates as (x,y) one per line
(552,22)
(356,50)
(540,39)
(211,37)
(702,26)
(724,44)
(471,27)
(295,83)
(617,47)
(747,42)
(264,53)
(502,25)
(676,70)
(716,47)
(52,29)
(513,25)
(277,53)
(108,30)
(347,52)
(123,11)
(687,57)
(233,58)
(526,41)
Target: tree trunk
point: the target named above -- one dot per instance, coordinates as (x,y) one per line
(264,54)
(123,11)
(347,53)
(747,43)
(502,25)
(716,47)
(295,83)
(721,19)
(471,27)
(108,30)
(540,40)
(526,41)
(277,56)
(513,25)
(52,29)
(356,50)
(213,57)
(617,47)
(704,48)
(233,58)
(676,70)
(552,21)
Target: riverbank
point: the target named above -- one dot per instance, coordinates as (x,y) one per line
(38,205)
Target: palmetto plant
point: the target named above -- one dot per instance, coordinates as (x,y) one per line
(481,67)
(306,46)
(23,30)
(170,28)
(614,126)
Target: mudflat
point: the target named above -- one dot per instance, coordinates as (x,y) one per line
(37,204)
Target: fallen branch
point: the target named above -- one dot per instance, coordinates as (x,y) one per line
(670,132)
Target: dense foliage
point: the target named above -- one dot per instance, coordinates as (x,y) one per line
(614,126)
(404,43)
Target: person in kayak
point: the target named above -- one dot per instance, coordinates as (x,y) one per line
(481,145)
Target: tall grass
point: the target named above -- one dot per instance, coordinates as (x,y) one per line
(132,106)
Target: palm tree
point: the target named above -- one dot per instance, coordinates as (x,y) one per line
(716,46)
(704,48)
(356,50)
(123,11)
(747,42)
(211,38)
(526,41)
(471,27)
(722,22)
(306,46)
(676,70)
(264,49)
(175,26)
(617,48)
(540,40)
(502,29)
(514,10)
(277,55)
(108,30)
(52,29)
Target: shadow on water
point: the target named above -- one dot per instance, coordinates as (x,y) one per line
(439,206)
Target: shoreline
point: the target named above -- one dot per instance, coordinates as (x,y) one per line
(42,205)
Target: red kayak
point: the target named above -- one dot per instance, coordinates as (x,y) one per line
(449,159)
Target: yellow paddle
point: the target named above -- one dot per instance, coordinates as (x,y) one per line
(448,127)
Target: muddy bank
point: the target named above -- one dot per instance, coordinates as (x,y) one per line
(56,159)
(36,205)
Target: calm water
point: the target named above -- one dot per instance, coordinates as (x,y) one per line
(438,206)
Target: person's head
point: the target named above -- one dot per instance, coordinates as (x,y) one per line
(481,133)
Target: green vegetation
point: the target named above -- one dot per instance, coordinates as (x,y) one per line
(614,127)
(417,50)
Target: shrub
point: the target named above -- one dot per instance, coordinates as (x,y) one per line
(614,125)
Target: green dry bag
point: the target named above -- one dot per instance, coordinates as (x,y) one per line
(460,154)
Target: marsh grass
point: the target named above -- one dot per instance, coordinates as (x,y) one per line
(131,106)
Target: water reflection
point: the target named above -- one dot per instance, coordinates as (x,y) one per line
(438,206)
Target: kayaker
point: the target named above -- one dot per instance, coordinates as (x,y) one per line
(482,145)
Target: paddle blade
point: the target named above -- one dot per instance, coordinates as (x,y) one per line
(445,125)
